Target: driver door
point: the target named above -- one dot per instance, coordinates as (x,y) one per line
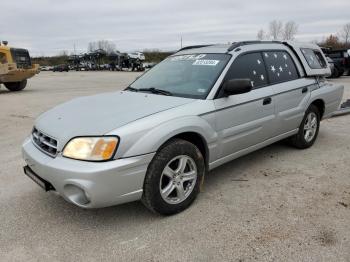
(247,119)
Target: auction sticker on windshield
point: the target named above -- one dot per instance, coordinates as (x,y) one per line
(187,57)
(206,62)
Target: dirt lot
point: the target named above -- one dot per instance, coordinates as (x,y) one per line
(277,204)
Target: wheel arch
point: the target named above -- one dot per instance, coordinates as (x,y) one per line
(195,138)
(320,104)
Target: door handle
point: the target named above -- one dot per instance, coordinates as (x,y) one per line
(267,101)
(304,90)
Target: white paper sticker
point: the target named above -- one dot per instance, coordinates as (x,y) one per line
(187,57)
(206,62)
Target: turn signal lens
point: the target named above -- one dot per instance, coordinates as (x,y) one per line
(91,148)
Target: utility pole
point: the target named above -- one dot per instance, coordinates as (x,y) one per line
(181,41)
(74,50)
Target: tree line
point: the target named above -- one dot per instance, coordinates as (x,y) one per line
(278,30)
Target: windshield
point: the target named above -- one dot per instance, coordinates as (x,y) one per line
(190,76)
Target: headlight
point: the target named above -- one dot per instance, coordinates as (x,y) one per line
(91,148)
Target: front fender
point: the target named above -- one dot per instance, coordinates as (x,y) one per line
(157,136)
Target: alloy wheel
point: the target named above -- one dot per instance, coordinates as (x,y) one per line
(310,127)
(178,179)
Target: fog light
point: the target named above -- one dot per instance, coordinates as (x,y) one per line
(76,195)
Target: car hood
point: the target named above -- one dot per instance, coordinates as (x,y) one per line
(99,114)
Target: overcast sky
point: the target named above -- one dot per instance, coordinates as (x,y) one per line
(47,27)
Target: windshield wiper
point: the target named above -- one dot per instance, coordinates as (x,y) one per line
(131,89)
(156,91)
(151,89)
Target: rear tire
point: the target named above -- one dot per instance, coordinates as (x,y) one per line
(308,129)
(173,177)
(16,86)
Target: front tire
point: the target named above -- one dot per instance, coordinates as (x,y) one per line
(308,129)
(16,86)
(173,177)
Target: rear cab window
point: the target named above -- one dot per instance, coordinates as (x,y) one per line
(314,58)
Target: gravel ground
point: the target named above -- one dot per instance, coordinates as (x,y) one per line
(277,204)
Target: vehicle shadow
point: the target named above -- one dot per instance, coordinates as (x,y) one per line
(228,173)
(55,209)
(4,91)
(237,169)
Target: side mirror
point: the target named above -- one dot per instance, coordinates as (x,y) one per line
(237,86)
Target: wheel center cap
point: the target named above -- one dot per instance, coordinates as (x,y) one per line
(177,179)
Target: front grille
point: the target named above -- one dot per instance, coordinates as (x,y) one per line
(45,143)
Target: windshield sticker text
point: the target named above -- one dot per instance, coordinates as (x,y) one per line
(206,62)
(187,57)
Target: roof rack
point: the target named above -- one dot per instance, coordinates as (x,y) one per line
(192,47)
(237,44)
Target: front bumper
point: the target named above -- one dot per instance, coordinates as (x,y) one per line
(90,184)
(13,74)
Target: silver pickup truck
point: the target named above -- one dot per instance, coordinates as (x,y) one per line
(196,110)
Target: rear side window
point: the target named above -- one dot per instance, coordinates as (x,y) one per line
(314,58)
(249,66)
(280,67)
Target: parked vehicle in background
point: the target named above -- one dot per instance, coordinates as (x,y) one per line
(46,68)
(341,59)
(137,55)
(148,65)
(105,67)
(194,111)
(16,67)
(60,68)
(335,70)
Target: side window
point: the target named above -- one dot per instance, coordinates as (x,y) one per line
(314,58)
(249,66)
(280,66)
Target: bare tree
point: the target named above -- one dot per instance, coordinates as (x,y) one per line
(261,34)
(345,33)
(92,46)
(290,30)
(332,41)
(276,29)
(105,45)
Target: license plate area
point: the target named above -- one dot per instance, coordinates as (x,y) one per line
(40,181)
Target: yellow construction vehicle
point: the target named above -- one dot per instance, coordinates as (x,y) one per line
(15,67)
